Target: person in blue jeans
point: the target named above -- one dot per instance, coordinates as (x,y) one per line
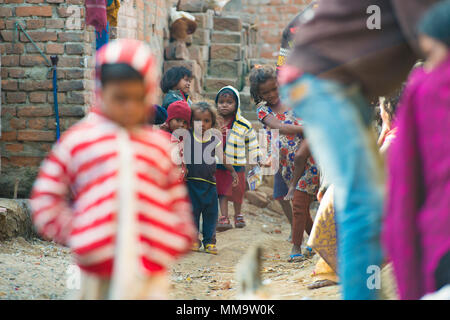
(338,64)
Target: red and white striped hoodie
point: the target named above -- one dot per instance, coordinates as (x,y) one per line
(108,169)
(114,196)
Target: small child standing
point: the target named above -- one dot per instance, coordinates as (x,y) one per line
(200,160)
(109,190)
(231,185)
(274,115)
(302,191)
(176,84)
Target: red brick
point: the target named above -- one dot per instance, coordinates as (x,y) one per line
(39,36)
(44,11)
(29,61)
(70,37)
(13,48)
(46,147)
(77,98)
(14,1)
(25,161)
(35,135)
(37,123)
(32,49)
(227,24)
(54,24)
(74,74)
(71,62)
(35,24)
(61,97)
(225,51)
(9,85)
(16,97)
(5,12)
(7,36)
(55,48)
(14,147)
(8,135)
(75,48)
(34,111)
(36,85)
(71,111)
(18,123)
(35,1)
(38,97)
(16,73)
(71,85)
(8,111)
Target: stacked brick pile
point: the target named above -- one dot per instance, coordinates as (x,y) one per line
(224,47)
(194,53)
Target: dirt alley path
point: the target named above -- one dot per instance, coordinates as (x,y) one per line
(38,270)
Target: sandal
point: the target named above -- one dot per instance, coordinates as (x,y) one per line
(296,257)
(309,252)
(239,221)
(211,248)
(224,224)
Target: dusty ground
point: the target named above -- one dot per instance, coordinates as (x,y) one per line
(38,269)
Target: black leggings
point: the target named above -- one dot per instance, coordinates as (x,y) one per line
(442,273)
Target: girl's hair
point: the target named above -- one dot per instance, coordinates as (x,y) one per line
(230,92)
(173,76)
(118,72)
(260,75)
(204,106)
(392,102)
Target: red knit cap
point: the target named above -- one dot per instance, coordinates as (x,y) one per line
(179,110)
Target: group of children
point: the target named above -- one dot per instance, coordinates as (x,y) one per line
(112,189)
(213,153)
(128,196)
(212,185)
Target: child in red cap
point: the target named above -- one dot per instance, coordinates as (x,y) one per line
(178,116)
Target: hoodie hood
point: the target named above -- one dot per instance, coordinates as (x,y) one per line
(137,55)
(236,92)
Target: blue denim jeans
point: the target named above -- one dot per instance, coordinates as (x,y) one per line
(336,121)
(205,203)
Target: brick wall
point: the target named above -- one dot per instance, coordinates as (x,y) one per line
(272,17)
(27,117)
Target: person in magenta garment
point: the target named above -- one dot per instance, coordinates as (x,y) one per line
(416,231)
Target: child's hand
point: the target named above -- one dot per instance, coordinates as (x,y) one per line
(235,178)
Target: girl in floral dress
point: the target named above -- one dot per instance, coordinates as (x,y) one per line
(293,153)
